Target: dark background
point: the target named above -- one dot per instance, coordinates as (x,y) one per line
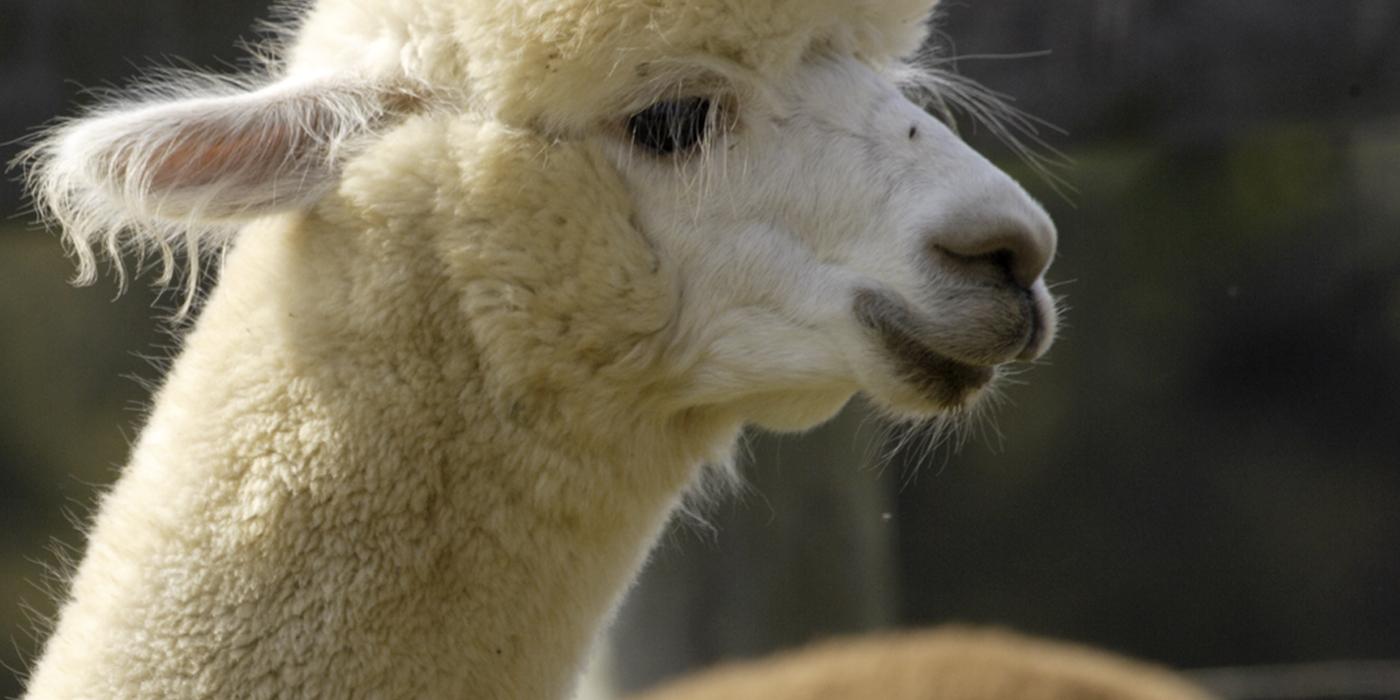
(1205,472)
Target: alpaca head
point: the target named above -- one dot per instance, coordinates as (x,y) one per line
(735,203)
(843,236)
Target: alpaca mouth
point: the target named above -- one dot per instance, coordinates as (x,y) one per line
(944,380)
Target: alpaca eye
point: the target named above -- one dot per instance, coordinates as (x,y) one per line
(671,127)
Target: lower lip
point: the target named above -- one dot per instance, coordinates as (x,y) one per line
(945,380)
(949,382)
(1037,333)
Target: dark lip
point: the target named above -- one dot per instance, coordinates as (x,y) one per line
(1035,335)
(939,377)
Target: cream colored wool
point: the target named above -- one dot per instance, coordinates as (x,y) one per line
(947,664)
(469,348)
(565,64)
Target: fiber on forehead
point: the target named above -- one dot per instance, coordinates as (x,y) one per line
(566,63)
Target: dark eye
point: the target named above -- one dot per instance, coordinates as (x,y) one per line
(670,127)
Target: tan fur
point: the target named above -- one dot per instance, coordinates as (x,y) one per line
(368,431)
(946,664)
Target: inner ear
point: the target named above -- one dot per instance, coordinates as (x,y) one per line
(195,155)
(226,157)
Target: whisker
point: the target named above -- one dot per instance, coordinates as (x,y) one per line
(946,92)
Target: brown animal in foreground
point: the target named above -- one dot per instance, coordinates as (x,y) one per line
(952,663)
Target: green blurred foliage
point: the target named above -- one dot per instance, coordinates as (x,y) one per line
(1206,472)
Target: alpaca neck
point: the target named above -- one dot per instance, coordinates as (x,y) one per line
(323,508)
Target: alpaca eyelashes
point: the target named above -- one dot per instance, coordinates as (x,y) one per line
(670,127)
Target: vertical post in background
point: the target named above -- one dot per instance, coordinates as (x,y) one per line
(805,553)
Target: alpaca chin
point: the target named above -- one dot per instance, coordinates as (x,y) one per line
(797,412)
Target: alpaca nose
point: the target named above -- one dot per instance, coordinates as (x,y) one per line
(1015,240)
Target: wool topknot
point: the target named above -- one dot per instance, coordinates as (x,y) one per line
(565,64)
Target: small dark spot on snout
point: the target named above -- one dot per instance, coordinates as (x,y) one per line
(913,132)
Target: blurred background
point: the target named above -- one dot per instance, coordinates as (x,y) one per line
(1205,472)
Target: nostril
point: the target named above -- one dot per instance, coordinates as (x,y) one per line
(1005,262)
(1018,250)
(1000,262)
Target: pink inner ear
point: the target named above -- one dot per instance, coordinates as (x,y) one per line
(201,155)
(232,157)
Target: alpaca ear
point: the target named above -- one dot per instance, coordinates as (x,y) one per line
(187,161)
(212,157)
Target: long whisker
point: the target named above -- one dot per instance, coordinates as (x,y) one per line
(933,82)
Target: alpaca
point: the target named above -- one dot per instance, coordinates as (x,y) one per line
(499,277)
(952,663)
